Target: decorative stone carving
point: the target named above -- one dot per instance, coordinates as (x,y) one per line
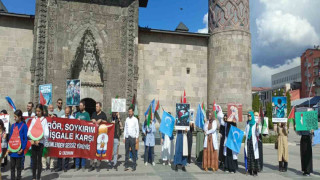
(228,14)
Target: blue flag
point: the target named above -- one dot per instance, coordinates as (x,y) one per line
(200,118)
(167,124)
(234,141)
(316,138)
(153,103)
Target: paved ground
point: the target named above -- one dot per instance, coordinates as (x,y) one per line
(159,171)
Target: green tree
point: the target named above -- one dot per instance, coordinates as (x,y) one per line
(256,103)
(269,114)
(288,106)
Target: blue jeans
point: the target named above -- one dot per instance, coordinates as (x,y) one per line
(130,153)
(115,149)
(80,162)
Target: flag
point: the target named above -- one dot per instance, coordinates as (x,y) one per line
(214,109)
(291,115)
(203,107)
(157,107)
(11,104)
(184,97)
(133,101)
(200,118)
(149,116)
(316,138)
(264,122)
(167,124)
(152,104)
(42,99)
(234,140)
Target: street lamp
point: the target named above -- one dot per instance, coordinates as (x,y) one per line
(312,85)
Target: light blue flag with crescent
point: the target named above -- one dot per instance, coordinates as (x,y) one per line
(200,118)
(167,124)
(316,138)
(153,103)
(235,137)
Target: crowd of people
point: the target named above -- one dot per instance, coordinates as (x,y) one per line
(175,150)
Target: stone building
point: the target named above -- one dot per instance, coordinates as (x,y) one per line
(101,43)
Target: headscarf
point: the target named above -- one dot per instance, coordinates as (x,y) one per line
(251,123)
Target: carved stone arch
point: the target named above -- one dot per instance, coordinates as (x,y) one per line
(87,58)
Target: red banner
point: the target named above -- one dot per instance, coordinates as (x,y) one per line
(79,138)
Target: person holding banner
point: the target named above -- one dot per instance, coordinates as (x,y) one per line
(231,157)
(283,154)
(181,153)
(16,155)
(38,145)
(82,115)
(149,129)
(117,133)
(259,122)
(251,145)
(6,140)
(222,130)
(97,118)
(4,143)
(66,160)
(131,135)
(210,147)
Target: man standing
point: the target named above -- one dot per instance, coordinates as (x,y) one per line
(97,117)
(59,111)
(131,135)
(66,160)
(29,112)
(82,115)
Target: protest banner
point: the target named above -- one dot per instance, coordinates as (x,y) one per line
(45,94)
(69,138)
(5,119)
(73,92)
(182,114)
(118,105)
(306,121)
(234,112)
(279,109)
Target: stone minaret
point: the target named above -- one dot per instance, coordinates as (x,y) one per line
(229,61)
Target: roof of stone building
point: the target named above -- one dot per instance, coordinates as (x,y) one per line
(2,7)
(182,27)
(183,33)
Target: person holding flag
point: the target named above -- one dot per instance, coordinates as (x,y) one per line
(251,145)
(166,129)
(149,130)
(231,157)
(210,147)
(259,122)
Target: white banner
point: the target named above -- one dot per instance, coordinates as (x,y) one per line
(118,105)
(5,119)
(279,120)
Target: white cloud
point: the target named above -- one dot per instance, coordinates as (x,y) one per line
(205,21)
(261,75)
(287,23)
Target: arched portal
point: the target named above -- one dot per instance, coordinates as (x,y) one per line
(90,105)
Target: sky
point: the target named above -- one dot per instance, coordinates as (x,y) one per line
(281,30)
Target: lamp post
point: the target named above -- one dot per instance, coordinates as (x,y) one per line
(311,90)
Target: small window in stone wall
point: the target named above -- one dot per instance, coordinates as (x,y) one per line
(188,70)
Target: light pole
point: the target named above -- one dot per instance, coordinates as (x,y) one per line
(310,90)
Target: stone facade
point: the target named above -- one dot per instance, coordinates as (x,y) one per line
(229,61)
(163,62)
(16,43)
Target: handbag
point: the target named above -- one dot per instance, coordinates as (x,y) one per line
(276,144)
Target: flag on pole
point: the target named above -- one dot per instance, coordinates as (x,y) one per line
(264,124)
(152,105)
(291,115)
(157,107)
(203,107)
(200,118)
(167,124)
(149,116)
(133,101)
(11,104)
(184,97)
(42,99)
(214,109)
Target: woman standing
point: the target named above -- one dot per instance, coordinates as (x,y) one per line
(167,149)
(199,144)
(231,158)
(306,152)
(4,143)
(283,155)
(149,131)
(251,145)
(189,136)
(222,139)
(210,147)
(180,158)
(37,146)
(16,157)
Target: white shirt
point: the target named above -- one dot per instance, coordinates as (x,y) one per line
(70,117)
(45,128)
(131,128)
(26,114)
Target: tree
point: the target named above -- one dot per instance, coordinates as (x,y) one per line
(288,105)
(256,103)
(269,114)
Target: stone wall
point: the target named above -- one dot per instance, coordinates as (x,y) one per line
(16,43)
(163,62)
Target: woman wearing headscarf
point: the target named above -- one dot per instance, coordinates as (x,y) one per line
(259,137)
(306,152)
(222,119)
(251,145)
(283,154)
(231,157)
(210,147)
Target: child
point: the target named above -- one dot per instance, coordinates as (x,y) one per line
(37,146)
(16,157)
